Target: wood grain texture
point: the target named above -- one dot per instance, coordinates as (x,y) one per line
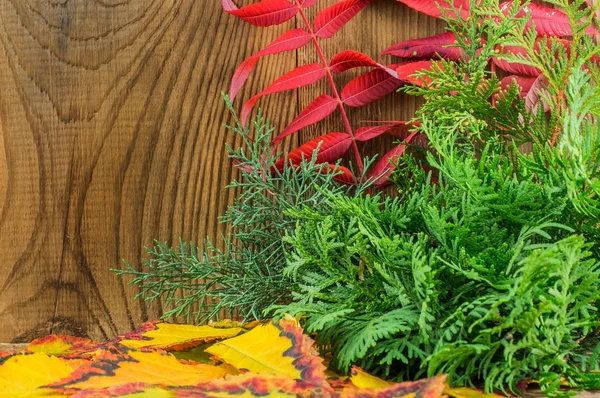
(110,137)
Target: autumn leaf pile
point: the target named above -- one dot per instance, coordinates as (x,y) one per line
(218,360)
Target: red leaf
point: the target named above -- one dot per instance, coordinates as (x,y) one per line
(515,67)
(291,40)
(309,3)
(548,21)
(263,13)
(384,167)
(368,133)
(369,87)
(314,112)
(432,7)
(406,72)
(333,147)
(302,76)
(350,59)
(533,97)
(331,19)
(344,175)
(428,47)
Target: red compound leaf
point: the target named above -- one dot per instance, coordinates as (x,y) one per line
(428,47)
(332,147)
(369,87)
(385,166)
(433,7)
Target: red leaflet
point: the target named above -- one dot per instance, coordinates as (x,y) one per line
(263,13)
(314,112)
(343,176)
(432,7)
(428,47)
(548,21)
(384,167)
(350,59)
(331,19)
(333,146)
(533,98)
(309,3)
(399,130)
(406,72)
(304,75)
(524,82)
(369,87)
(514,67)
(291,40)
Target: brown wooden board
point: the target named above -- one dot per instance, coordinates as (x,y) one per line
(111,136)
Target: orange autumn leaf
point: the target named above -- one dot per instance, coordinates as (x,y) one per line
(23,375)
(57,345)
(426,388)
(277,348)
(174,337)
(248,385)
(120,366)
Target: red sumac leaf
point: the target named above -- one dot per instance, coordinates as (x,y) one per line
(314,112)
(524,83)
(428,47)
(548,21)
(399,130)
(331,19)
(406,72)
(304,75)
(432,7)
(291,40)
(263,13)
(309,3)
(333,146)
(515,67)
(349,59)
(385,166)
(533,97)
(343,174)
(369,87)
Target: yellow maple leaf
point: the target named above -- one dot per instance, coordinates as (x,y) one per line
(174,337)
(22,375)
(247,386)
(367,386)
(57,345)
(277,348)
(464,392)
(111,368)
(362,379)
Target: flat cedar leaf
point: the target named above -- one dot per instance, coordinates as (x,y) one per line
(317,110)
(248,385)
(384,167)
(263,13)
(427,47)
(369,87)
(290,40)
(276,348)
(370,132)
(432,7)
(426,388)
(349,59)
(172,337)
(332,147)
(304,75)
(406,72)
(23,375)
(121,366)
(362,379)
(333,18)
(60,345)
(548,21)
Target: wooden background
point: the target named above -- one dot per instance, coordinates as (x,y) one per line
(110,137)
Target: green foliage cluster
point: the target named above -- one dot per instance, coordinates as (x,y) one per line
(243,275)
(492,273)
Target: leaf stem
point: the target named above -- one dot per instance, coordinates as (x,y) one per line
(325,64)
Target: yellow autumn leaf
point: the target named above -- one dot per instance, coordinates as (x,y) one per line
(276,348)
(174,337)
(151,393)
(154,368)
(362,379)
(247,386)
(57,345)
(425,388)
(464,392)
(22,375)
